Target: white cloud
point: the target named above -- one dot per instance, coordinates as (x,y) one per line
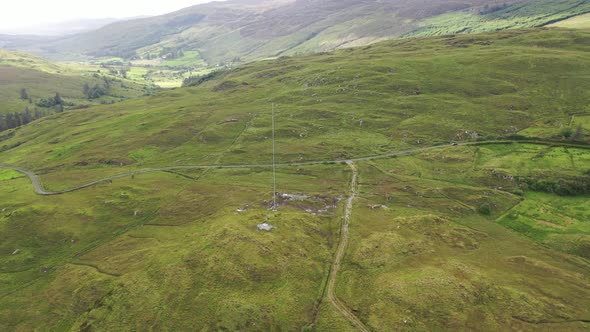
(23,13)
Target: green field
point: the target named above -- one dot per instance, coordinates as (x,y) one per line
(137,73)
(490,236)
(529,14)
(189,60)
(576,22)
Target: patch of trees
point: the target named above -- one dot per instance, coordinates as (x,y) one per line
(56,102)
(114,71)
(200,79)
(124,51)
(94,92)
(112,63)
(99,89)
(122,72)
(17,119)
(171,53)
(571,186)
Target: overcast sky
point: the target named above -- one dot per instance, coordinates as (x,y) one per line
(24,13)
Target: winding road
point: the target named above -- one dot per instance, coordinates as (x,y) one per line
(39,189)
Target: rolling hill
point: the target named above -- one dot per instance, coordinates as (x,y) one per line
(26,82)
(460,162)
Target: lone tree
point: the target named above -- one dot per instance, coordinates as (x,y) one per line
(27,116)
(58,100)
(24,95)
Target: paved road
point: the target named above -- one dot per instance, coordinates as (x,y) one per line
(340,254)
(31,176)
(39,189)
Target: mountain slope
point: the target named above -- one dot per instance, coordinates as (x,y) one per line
(529,14)
(447,237)
(234,31)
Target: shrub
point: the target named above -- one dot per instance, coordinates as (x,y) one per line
(566,132)
(565,186)
(484,209)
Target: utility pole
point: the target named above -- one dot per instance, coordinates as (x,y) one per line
(274,173)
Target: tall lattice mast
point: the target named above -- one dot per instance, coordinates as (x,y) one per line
(274,173)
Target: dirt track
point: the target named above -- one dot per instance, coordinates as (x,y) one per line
(331,290)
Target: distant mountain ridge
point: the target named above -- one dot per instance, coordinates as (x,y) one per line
(246,30)
(69,27)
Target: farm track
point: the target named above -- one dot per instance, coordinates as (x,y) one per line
(39,189)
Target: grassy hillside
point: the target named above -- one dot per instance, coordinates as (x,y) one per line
(432,259)
(225,33)
(42,79)
(454,238)
(169,48)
